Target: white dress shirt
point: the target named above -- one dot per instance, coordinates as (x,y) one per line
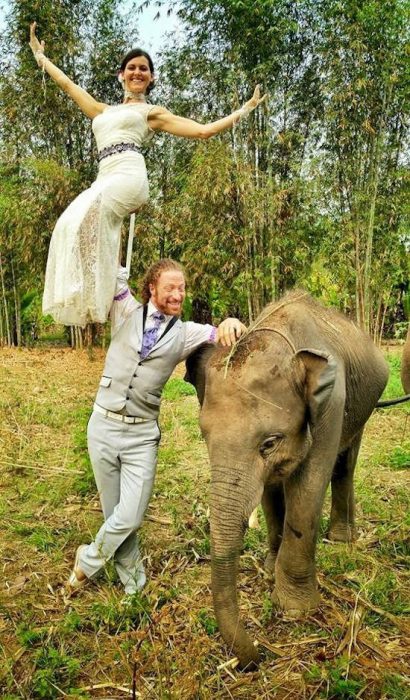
(125,303)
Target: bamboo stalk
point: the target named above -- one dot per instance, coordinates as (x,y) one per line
(56,470)
(6,313)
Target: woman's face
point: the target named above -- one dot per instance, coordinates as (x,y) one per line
(137,75)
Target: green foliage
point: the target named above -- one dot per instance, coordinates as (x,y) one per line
(42,539)
(32,320)
(310,190)
(255,538)
(399,458)
(384,593)
(72,622)
(394,687)
(339,686)
(267,609)
(406,305)
(176,388)
(343,689)
(54,671)
(84,483)
(100,632)
(207,621)
(46,137)
(29,637)
(394,387)
(115,617)
(203,546)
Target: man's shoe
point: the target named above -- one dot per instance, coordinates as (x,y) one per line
(74,584)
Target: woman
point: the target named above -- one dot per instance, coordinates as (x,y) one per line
(83,256)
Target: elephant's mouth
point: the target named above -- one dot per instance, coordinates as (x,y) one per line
(278,471)
(281,471)
(285,461)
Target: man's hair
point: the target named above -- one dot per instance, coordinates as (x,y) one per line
(153,274)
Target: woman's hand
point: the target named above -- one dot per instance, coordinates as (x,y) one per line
(255,100)
(36,46)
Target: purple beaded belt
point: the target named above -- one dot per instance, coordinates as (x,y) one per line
(117,148)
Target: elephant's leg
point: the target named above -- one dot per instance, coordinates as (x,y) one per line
(295,573)
(342,512)
(273,504)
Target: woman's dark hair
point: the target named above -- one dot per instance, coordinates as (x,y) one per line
(135,53)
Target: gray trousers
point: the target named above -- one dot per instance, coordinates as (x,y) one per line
(123,459)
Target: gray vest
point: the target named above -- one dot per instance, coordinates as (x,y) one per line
(133,383)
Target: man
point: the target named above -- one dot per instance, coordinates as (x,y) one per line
(148,341)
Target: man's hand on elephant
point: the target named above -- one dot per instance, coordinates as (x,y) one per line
(229,331)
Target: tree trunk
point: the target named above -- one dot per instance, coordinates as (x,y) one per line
(201,313)
(76,335)
(6,313)
(374,186)
(17,308)
(405,364)
(2,339)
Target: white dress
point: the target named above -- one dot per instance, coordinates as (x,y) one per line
(83,256)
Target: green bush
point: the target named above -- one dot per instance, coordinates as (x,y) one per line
(54,672)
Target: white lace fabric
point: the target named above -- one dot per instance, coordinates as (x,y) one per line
(83,256)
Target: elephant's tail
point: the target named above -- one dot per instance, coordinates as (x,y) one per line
(393,402)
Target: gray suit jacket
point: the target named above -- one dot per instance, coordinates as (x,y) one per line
(133,383)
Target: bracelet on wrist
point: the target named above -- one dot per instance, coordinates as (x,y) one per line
(39,56)
(243,112)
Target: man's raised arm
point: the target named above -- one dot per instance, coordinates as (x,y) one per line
(123,303)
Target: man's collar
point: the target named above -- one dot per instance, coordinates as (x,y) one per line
(152,309)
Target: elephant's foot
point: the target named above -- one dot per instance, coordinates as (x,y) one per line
(341,532)
(293,605)
(295,600)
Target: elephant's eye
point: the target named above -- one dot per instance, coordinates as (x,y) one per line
(270,443)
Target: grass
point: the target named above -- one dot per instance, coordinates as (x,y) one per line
(354,646)
(394,387)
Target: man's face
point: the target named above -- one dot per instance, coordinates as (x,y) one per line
(168,293)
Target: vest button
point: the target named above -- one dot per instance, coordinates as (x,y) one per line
(130,386)
(140,363)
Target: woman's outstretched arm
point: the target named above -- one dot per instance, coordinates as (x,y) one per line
(160,119)
(86,103)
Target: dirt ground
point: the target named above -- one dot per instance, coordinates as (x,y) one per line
(354,646)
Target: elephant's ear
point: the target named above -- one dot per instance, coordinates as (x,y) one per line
(195,365)
(321,370)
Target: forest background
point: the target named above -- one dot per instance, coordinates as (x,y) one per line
(310,191)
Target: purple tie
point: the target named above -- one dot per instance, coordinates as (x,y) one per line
(151,334)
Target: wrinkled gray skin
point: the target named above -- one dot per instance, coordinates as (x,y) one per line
(405,364)
(280,424)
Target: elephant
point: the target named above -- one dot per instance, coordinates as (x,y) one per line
(282,414)
(405,364)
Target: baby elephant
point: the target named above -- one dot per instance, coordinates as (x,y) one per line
(283,415)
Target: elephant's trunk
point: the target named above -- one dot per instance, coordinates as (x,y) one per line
(231,505)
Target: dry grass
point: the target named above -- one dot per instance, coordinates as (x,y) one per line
(354,646)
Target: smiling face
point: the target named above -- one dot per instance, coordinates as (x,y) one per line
(168,293)
(137,75)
